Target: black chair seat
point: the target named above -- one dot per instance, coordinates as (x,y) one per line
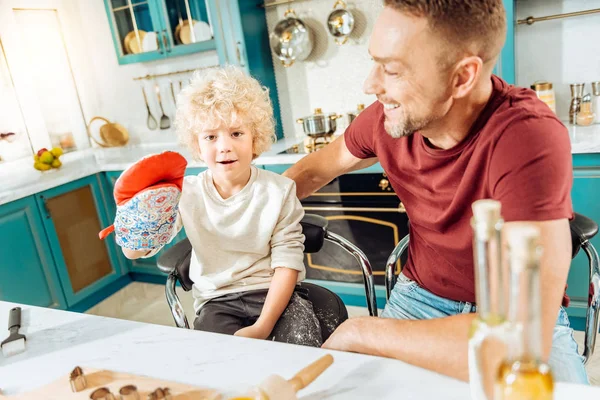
(329,308)
(582,229)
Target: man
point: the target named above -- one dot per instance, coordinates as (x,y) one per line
(447,132)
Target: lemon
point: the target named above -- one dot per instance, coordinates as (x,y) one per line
(57,152)
(40,166)
(56,163)
(47,157)
(36,158)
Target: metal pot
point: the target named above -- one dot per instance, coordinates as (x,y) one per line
(340,22)
(319,124)
(291,40)
(353,114)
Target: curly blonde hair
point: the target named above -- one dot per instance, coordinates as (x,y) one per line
(214,96)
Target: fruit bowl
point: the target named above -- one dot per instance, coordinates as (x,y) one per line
(47,160)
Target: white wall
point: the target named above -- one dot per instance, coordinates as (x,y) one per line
(332,77)
(560,51)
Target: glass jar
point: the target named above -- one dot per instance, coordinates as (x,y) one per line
(596,101)
(545,93)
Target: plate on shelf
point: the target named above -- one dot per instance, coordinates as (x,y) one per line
(183,33)
(132,46)
(150,42)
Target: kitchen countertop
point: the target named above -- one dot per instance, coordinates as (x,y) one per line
(57,341)
(19,179)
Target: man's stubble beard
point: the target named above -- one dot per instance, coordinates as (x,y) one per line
(406,127)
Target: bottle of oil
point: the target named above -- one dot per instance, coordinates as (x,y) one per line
(490,291)
(524,375)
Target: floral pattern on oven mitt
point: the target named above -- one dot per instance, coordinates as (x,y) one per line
(147,197)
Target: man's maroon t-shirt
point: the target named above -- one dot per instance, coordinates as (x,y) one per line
(516,152)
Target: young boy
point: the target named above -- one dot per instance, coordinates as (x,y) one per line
(243,222)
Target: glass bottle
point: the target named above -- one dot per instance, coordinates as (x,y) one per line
(489,290)
(523,375)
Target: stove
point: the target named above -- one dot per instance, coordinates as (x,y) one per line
(311,144)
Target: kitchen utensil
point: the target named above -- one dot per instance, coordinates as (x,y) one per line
(15,342)
(150,121)
(165,122)
(8,136)
(77,380)
(102,394)
(576,95)
(274,387)
(111,134)
(129,392)
(132,45)
(340,22)
(113,382)
(173,93)
(291,40)
(353,114)
(319,124)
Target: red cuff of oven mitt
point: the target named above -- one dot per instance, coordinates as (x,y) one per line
(147,196)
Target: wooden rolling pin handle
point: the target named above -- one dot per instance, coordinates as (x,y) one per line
(309,373)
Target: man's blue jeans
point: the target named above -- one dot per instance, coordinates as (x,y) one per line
(410,301)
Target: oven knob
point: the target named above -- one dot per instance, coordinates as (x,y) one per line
(384,184)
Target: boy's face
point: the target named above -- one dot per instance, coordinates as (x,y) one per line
(227,150)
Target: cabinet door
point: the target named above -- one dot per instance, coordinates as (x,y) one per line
(73,215)
(27,271)
(188,26)
(246,44)
(137,30)
(586,187)
(505,68)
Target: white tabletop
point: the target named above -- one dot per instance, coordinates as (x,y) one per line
(57,341)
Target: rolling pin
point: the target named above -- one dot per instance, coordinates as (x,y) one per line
(275,387)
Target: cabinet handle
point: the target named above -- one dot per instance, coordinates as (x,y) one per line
(165,41)
(160,48)
(239,54)
(45,209)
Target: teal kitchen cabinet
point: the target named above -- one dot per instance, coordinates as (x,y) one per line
(72,216)
(505,67)
(27,271)
(148,30)
(586,186)
(239,29)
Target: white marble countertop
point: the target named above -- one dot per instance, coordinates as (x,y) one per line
(19,179)
(57,341)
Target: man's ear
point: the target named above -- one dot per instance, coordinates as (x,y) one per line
(465,76)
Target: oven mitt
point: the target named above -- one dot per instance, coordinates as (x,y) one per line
(147,197)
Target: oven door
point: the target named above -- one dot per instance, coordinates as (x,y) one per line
(373,220)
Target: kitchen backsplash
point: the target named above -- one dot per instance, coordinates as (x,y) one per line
(332,77)
(561,51)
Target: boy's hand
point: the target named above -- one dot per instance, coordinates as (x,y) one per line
(256,331)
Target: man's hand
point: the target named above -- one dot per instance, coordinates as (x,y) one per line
(255,331)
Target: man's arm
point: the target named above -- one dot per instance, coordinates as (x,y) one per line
(441,344)
(319,168)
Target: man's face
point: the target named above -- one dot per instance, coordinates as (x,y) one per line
(407,78)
